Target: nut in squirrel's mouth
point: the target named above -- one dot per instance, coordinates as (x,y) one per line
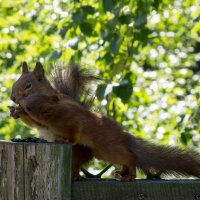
(11,108)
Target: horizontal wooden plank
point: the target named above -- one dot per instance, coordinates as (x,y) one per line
(138,189)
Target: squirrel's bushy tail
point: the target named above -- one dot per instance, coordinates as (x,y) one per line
(164,159)
(74,81)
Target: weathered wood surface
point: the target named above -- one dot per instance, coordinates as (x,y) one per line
(11,171)
(31,171)
(137,190)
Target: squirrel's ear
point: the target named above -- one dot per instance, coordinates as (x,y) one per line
(24,68)
(39,71)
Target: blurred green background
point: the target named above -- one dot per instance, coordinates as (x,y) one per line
(147,52)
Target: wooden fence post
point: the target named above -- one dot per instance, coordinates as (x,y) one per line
(32,171)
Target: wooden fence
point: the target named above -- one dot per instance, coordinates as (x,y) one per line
(31,171)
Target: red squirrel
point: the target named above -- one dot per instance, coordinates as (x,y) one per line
(71,83)
(72,122)
(151,158)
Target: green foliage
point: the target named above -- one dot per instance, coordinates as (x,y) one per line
(148,53)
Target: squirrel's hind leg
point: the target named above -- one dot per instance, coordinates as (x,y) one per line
(131,172)
(80,156)
(122,172)
(118,154)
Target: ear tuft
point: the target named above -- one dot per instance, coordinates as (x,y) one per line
(39,71)
(24,68)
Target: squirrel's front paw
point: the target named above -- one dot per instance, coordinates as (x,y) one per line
(15,111)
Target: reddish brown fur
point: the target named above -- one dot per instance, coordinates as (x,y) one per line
(106,138)
(101,134)
(81,155)
(40,85)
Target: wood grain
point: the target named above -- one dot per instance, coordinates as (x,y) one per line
(136,190)
(11,171)
(31,171)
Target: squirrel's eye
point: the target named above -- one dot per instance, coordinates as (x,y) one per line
(28,85)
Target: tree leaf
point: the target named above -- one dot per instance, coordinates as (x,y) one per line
(88,9)
(185,138)
(63,31)
(123,91)
(141,20)
(108,5)
(130,77)
(79,16)
(55,55)
(108,58)
(125,19)
(86,28)
(100,92)
(51,30)
(156,4)
(114,45)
